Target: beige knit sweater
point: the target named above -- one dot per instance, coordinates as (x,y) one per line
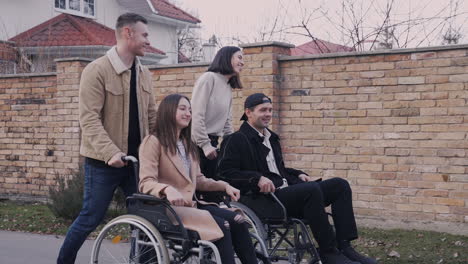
(211,108)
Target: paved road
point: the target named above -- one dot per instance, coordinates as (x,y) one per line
(24,248)
(27,248)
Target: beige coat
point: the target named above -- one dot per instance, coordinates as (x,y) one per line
(104,98)
(160,169)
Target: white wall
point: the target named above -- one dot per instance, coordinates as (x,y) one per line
(20,15)
(17,16)
(164,37)
(107,12)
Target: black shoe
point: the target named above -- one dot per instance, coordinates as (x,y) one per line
(355,256)
(335,257)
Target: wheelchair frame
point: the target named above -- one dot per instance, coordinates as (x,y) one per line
(270,237)
(171,243)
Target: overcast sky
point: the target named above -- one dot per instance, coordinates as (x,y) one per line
(244,20)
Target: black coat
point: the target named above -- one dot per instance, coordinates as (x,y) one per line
(242,160)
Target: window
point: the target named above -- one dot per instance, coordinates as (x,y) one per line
(77,7)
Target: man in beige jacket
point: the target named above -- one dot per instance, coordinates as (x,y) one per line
(117,110)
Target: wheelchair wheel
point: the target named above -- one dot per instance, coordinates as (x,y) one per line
(206,253)
(253,219)
(257,232)
(195,259)
(261,259)
(129,239)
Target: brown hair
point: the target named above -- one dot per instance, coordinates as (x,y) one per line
(166,128)
(222,64)
(129,19)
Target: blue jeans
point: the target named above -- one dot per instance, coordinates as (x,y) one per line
(100,183)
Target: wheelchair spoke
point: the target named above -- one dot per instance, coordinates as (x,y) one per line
(130,240)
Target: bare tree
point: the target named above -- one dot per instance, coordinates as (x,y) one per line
(366,25)
(189,43)
(391,30)
(453,34)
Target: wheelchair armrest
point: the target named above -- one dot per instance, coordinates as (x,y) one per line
(266,206)
(165,203)
(152,198)
(213,196)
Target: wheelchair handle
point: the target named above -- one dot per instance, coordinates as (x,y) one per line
(135,166)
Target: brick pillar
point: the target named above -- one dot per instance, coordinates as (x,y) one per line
(261,75)
(66,133)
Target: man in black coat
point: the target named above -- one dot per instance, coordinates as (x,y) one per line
(251,160)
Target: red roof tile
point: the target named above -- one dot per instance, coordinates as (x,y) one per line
(69,30)
(167,9)
(7,51)
(181,58)
(319,46)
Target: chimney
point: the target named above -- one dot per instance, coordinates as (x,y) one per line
(208,51)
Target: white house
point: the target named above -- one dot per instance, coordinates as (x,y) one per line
(20,17)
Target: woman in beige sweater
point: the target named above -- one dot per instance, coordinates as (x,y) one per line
(212,105)
(169,169)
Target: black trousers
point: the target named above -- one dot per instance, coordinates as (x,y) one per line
(235,235)
(207,166)
(308,201)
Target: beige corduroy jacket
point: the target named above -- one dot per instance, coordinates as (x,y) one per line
(104,106)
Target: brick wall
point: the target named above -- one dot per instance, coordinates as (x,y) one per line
(394,124)
(39,131)
(26,104)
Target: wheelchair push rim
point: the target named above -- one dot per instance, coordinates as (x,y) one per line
(129,239)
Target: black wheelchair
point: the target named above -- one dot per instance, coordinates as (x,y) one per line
(151,232)
(278,236)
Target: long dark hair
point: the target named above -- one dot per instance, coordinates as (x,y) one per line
(222,64)
(166,127)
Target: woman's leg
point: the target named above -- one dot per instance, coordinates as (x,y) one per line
(239,233)
(224,244)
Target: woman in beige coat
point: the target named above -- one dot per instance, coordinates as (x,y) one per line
(169,169)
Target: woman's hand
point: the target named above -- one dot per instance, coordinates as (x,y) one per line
(233,192)
(174,197)
(212,153)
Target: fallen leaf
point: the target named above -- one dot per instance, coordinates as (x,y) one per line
(455,255)
(394,254)
(116,239)
(440,261)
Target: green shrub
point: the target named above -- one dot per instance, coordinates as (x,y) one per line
(66,200)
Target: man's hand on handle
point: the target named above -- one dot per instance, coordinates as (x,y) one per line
(116,160)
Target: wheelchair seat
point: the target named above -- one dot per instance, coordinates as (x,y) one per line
(267,209)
